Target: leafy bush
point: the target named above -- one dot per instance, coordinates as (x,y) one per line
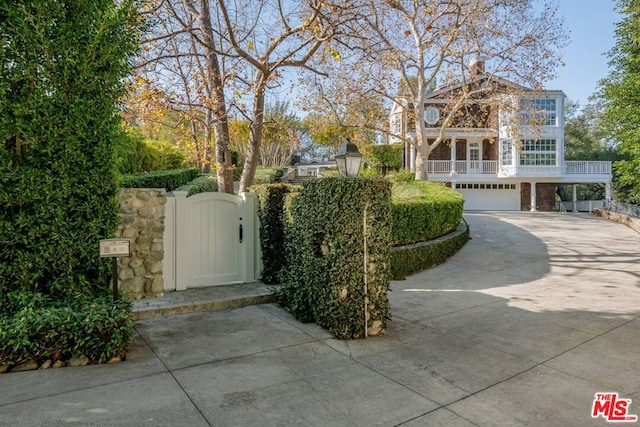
(424,210)
(324,279)
(267,175)
(134,154)
(169,180)
(271,216)
(35,326)
(202,184)
(383,158)
(63,70)
(406,260)
(402,176)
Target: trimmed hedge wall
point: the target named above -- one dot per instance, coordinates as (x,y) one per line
(271,215)
(424,210)
(406,260)
(324,278)
(169,180)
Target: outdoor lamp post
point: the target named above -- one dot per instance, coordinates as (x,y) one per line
(348,159)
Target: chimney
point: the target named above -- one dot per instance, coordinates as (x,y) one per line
(476,67)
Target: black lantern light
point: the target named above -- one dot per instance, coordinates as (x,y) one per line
(348,159)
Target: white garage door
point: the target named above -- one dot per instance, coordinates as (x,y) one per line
(490,197)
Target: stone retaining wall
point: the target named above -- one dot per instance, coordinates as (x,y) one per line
(142,214)
(629,221)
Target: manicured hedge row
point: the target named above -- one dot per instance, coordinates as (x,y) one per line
(33,326)
(326,225)
(406,260)
(424,210)
(169,180)
(271,215)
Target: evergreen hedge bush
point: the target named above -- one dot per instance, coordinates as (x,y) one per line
(63,67)
(272,240)
(424,210)
(169,180)
(324,279)
(406,260)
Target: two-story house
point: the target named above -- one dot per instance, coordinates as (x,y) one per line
(505,148)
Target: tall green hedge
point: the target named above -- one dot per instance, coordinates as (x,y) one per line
(271,215)
(325,275)
(63,65)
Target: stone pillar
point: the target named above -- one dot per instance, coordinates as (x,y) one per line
(142,213)
(533,196)
(574,198)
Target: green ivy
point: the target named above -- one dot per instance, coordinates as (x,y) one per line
(324,278)
(271,216)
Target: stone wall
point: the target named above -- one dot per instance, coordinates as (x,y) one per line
(142,213)
(629,221)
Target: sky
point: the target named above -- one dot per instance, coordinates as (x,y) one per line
(591,24)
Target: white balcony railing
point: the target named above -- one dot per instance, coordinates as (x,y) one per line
(587,168)
(490,167)
(463,167)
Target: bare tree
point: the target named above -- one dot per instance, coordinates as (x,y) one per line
(268,37)
(182,66)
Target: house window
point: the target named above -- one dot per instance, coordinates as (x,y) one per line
(506,152)
(538,152)
(539,111)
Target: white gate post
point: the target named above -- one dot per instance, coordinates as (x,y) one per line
(248,213)
(182,240)
(169,241)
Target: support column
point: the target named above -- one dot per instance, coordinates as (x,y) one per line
(533,196)
(608,191)
(453,155)
(574,198)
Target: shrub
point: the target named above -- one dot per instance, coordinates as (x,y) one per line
(267,175)
(406,260)
(169,180)
(35,326)
(424,210)
(383,158)
(324,278)
(402,176)
(202,184)
(271,215)
(63,72)
(134,154)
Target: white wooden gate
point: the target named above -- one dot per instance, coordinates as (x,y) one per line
(210,239)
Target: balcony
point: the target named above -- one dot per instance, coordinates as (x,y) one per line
(573,171)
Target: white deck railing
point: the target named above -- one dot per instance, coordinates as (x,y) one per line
(490,167)
(587,168)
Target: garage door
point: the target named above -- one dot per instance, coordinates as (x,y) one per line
(490,197)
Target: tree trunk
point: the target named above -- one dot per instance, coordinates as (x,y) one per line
(255,136)
(218,113)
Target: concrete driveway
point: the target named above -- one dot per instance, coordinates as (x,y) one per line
(532,318)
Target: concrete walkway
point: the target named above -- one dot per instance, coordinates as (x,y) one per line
(536,314)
